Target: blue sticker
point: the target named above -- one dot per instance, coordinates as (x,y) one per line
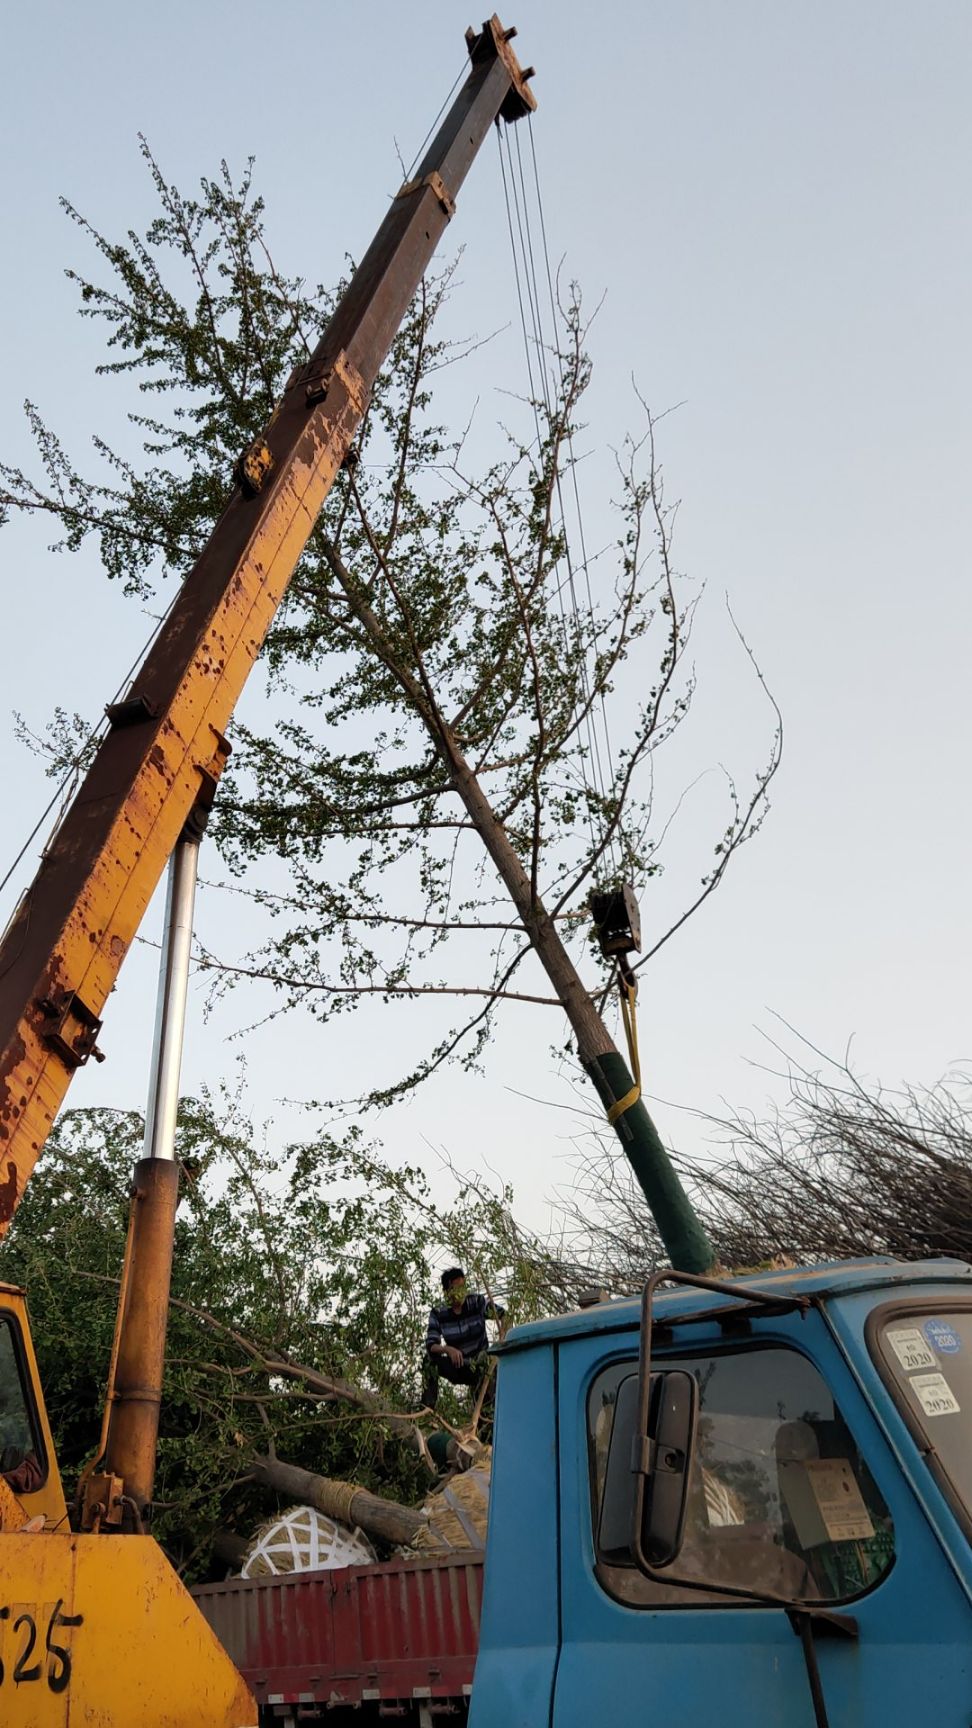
(942,1337)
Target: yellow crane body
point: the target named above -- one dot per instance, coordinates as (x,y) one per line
(99,1630)
(80,1615)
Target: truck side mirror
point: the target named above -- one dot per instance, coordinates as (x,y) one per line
(662,1461)
(643,1506)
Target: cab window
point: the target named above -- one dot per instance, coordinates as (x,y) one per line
(21,1455)
(780,1498)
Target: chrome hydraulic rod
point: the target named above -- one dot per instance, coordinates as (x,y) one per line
(170,1015)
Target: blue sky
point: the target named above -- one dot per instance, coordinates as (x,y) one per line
(774,201)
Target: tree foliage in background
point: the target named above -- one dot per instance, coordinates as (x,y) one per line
(302,1282)
(300,1295)
(842,1170)
(437,646)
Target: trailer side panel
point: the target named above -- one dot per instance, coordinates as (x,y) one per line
(397,1633)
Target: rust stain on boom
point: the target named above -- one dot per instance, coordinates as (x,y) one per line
(62,952)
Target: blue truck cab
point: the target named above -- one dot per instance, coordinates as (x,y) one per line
(822,1571)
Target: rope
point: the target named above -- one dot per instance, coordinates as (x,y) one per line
(339,1497)
(92,1463)
(623,1104)
(628,990)
(305,1539)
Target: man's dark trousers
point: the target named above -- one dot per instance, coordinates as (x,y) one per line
(436,1368)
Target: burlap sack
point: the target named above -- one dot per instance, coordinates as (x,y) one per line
(458,1513)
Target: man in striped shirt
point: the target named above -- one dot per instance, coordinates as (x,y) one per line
(456,1342)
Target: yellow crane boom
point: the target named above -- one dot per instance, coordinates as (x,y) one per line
(166,747)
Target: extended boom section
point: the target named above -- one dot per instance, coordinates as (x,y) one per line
(166,747)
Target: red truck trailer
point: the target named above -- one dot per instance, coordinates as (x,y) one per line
(392,1641)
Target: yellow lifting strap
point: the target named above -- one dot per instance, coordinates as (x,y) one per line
(628,990)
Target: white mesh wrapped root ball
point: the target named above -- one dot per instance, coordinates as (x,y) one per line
(304,1540)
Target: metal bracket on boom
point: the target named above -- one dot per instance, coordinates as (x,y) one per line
(74,1029)
(257,462)
(437,185)
(133,710)
(253,466)
(317,380)
(493,39)
(102,1504)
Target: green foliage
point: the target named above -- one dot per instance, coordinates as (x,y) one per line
(436,613)
(209,349)
(323,1259)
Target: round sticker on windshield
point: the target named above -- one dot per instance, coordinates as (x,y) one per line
(942,1337)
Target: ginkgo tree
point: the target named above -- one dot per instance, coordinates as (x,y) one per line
(430,770)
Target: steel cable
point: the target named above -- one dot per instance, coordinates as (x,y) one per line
(513,204)
(598,771)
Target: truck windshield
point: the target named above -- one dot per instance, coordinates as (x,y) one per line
(929,1360)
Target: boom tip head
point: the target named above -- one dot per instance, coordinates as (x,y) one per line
(493,41)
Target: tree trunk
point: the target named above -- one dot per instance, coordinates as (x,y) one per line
(231,1548)
(680,1228)
(678,1224)
(343,1501)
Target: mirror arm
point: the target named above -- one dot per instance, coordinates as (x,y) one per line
(641,1460)
(743,1294)
(740,1292)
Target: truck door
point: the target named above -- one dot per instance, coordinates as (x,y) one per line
(795,1491)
